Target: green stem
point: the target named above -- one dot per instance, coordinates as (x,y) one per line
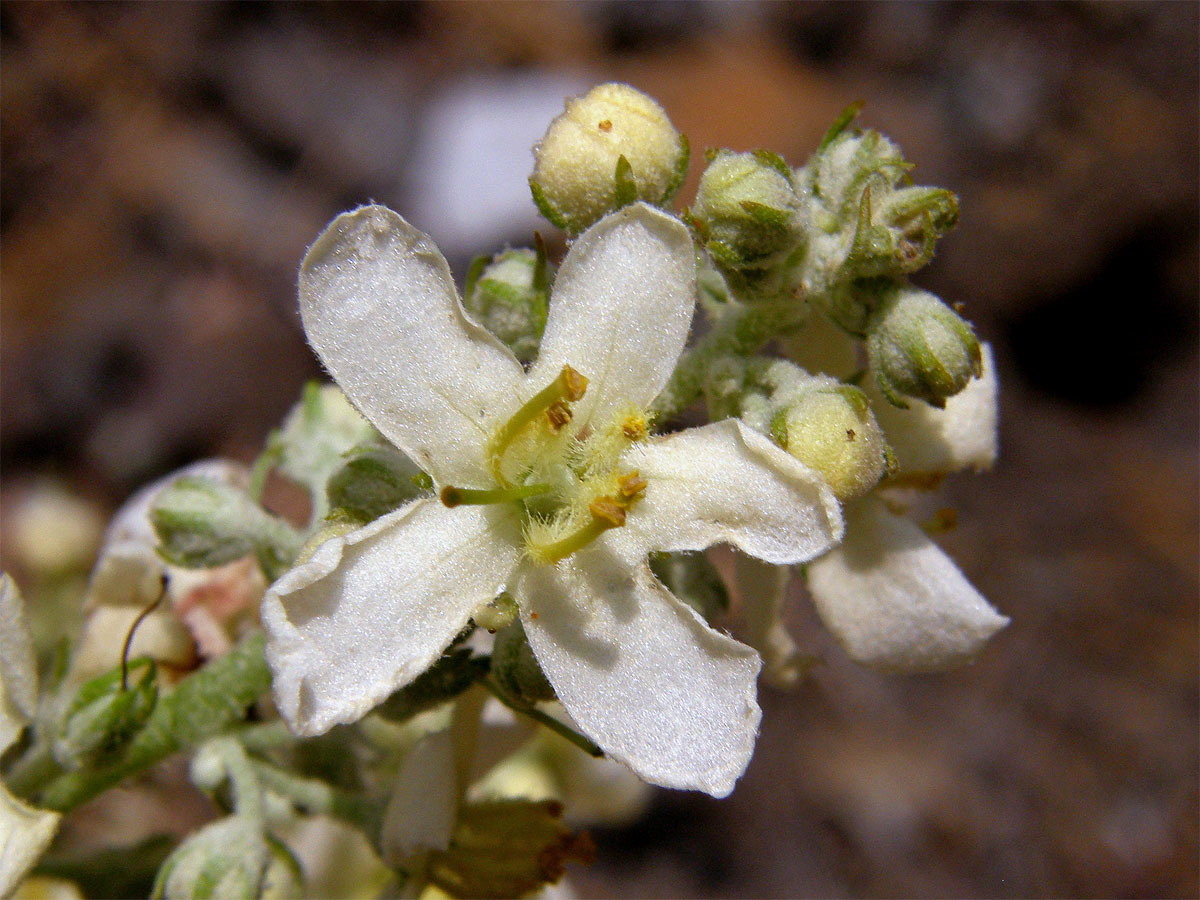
(564,731)
(316,797)
(742,329)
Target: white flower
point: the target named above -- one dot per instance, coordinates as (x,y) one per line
(888,593)
(547,465)
(25,832)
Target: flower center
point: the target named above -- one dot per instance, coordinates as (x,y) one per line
(567,484)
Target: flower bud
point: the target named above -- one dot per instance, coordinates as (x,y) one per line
(609,148)
(747,211)
(228,858)
(509,297)
(897,231)
(832,430)
(516,669)
(104,716)
(203,523)
(919,347)
(374,479)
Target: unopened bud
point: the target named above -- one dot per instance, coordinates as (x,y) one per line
(228,858)
(747,211)
(919,347)
(104,716)
(897,231)
(516,669)
(203,523)
(374,479)
(832,430)
(611,147)
(509,296)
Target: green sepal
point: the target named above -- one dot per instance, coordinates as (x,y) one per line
(478,264)
(515,669)
(456,671)
(847,115)
(507,848)
(775,161)
(626,187)
(768,216)
(202,523)
(681,169)
(374,480)
(546,208)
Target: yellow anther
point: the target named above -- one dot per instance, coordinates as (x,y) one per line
(608,509)
(559,414)
(574,383)
(634,427)
(631,484)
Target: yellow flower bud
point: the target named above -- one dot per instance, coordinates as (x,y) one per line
(610,147)
(833,431)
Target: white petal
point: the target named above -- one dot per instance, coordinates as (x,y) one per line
(894,600)
(370,611)
(18,665)
(640,672)
(725,482)
(381,310)
(762,589)
(25,833)
(423,809)
(620,311)
(931,441)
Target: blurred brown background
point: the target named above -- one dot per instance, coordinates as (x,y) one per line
(165,166)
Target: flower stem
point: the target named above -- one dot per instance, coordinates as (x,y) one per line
(564,731)
(742,329)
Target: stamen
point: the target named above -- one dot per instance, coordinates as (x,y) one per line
(569,386)
(454,496)
(634,428)
(609,509)
(631,484)
(559,415)
(607,512)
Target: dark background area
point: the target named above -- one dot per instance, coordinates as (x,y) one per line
(165,166)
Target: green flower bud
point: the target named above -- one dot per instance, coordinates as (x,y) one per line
(746,210)
(509,296)
(832,430)
(897,231)
(609,148)
(919,347)
(104,716)
(452,674)
(308,447)
(374,479)
(516,669)
(229,858)
(203,523)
